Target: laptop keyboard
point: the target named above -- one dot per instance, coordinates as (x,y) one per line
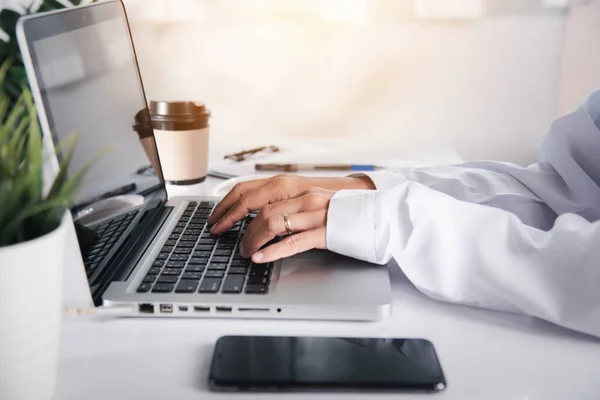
(109,233)
(194,261)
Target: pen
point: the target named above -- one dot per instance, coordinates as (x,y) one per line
(314,167)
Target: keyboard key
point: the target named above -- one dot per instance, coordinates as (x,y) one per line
(158,263)
(223,253)
(209,241)
(195,268)
(258,280)
(93,266)
(194,232)
(162,256)
(254,272)
(174,236)
(177,230)
(233,284)
(224,260)
(240,263)
(154,271)
(186,286)
(207,204)
(179,257)
(172,271)
(166,249)
(217,266)
(210,285)
(214,274)
(149,279)
(163,288)
(183,251)
(201,254)
(176,264)
(190,238)
(170,242)
(167,279)
(192,204)
(203,247)
(237,271)
(186,245)
(192,275)
(198,260)
(181,224)
(144,287)
(257,289)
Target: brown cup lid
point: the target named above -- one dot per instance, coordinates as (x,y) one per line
(143,123)
(179,115)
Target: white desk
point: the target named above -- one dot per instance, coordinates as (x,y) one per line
(485,355)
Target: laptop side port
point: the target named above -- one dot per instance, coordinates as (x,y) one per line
(183,308)
(146,308)
(201,309)
(166,308)
(223,309)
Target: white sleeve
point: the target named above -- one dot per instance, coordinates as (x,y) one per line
(492,234)
(474,254)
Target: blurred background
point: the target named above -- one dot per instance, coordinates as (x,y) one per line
(486,77)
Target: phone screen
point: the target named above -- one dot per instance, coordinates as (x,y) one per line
(261,363)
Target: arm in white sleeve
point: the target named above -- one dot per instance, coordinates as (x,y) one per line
(492,234)
(475,255)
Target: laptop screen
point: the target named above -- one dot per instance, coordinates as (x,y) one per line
(91,87)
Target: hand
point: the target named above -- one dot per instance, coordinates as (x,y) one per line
(307,216)
(254,195)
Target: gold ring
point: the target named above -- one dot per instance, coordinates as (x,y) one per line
(286,221)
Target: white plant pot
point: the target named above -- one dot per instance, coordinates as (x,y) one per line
(30,315)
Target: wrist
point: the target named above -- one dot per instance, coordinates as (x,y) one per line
(359,182)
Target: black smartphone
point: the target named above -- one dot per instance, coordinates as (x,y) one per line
(267,364)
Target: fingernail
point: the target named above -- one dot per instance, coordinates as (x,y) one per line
(258,256)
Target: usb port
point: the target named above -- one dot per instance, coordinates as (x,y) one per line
(201,309)
(223,309)
(183,308)
(166,308)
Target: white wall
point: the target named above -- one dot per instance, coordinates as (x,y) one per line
(487,86)
(580,68)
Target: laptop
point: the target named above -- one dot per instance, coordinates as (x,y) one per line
(155,255)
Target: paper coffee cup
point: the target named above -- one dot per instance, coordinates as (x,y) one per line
(181,132)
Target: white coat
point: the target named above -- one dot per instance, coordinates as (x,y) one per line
(492,234)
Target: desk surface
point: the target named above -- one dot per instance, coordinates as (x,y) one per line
(485,355)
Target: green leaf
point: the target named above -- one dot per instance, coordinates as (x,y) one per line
(8,22)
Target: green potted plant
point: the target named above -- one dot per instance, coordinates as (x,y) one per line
(33,226)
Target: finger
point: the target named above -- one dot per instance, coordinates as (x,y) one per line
(294,244)
(250,201)
(234,194)
(274,225)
